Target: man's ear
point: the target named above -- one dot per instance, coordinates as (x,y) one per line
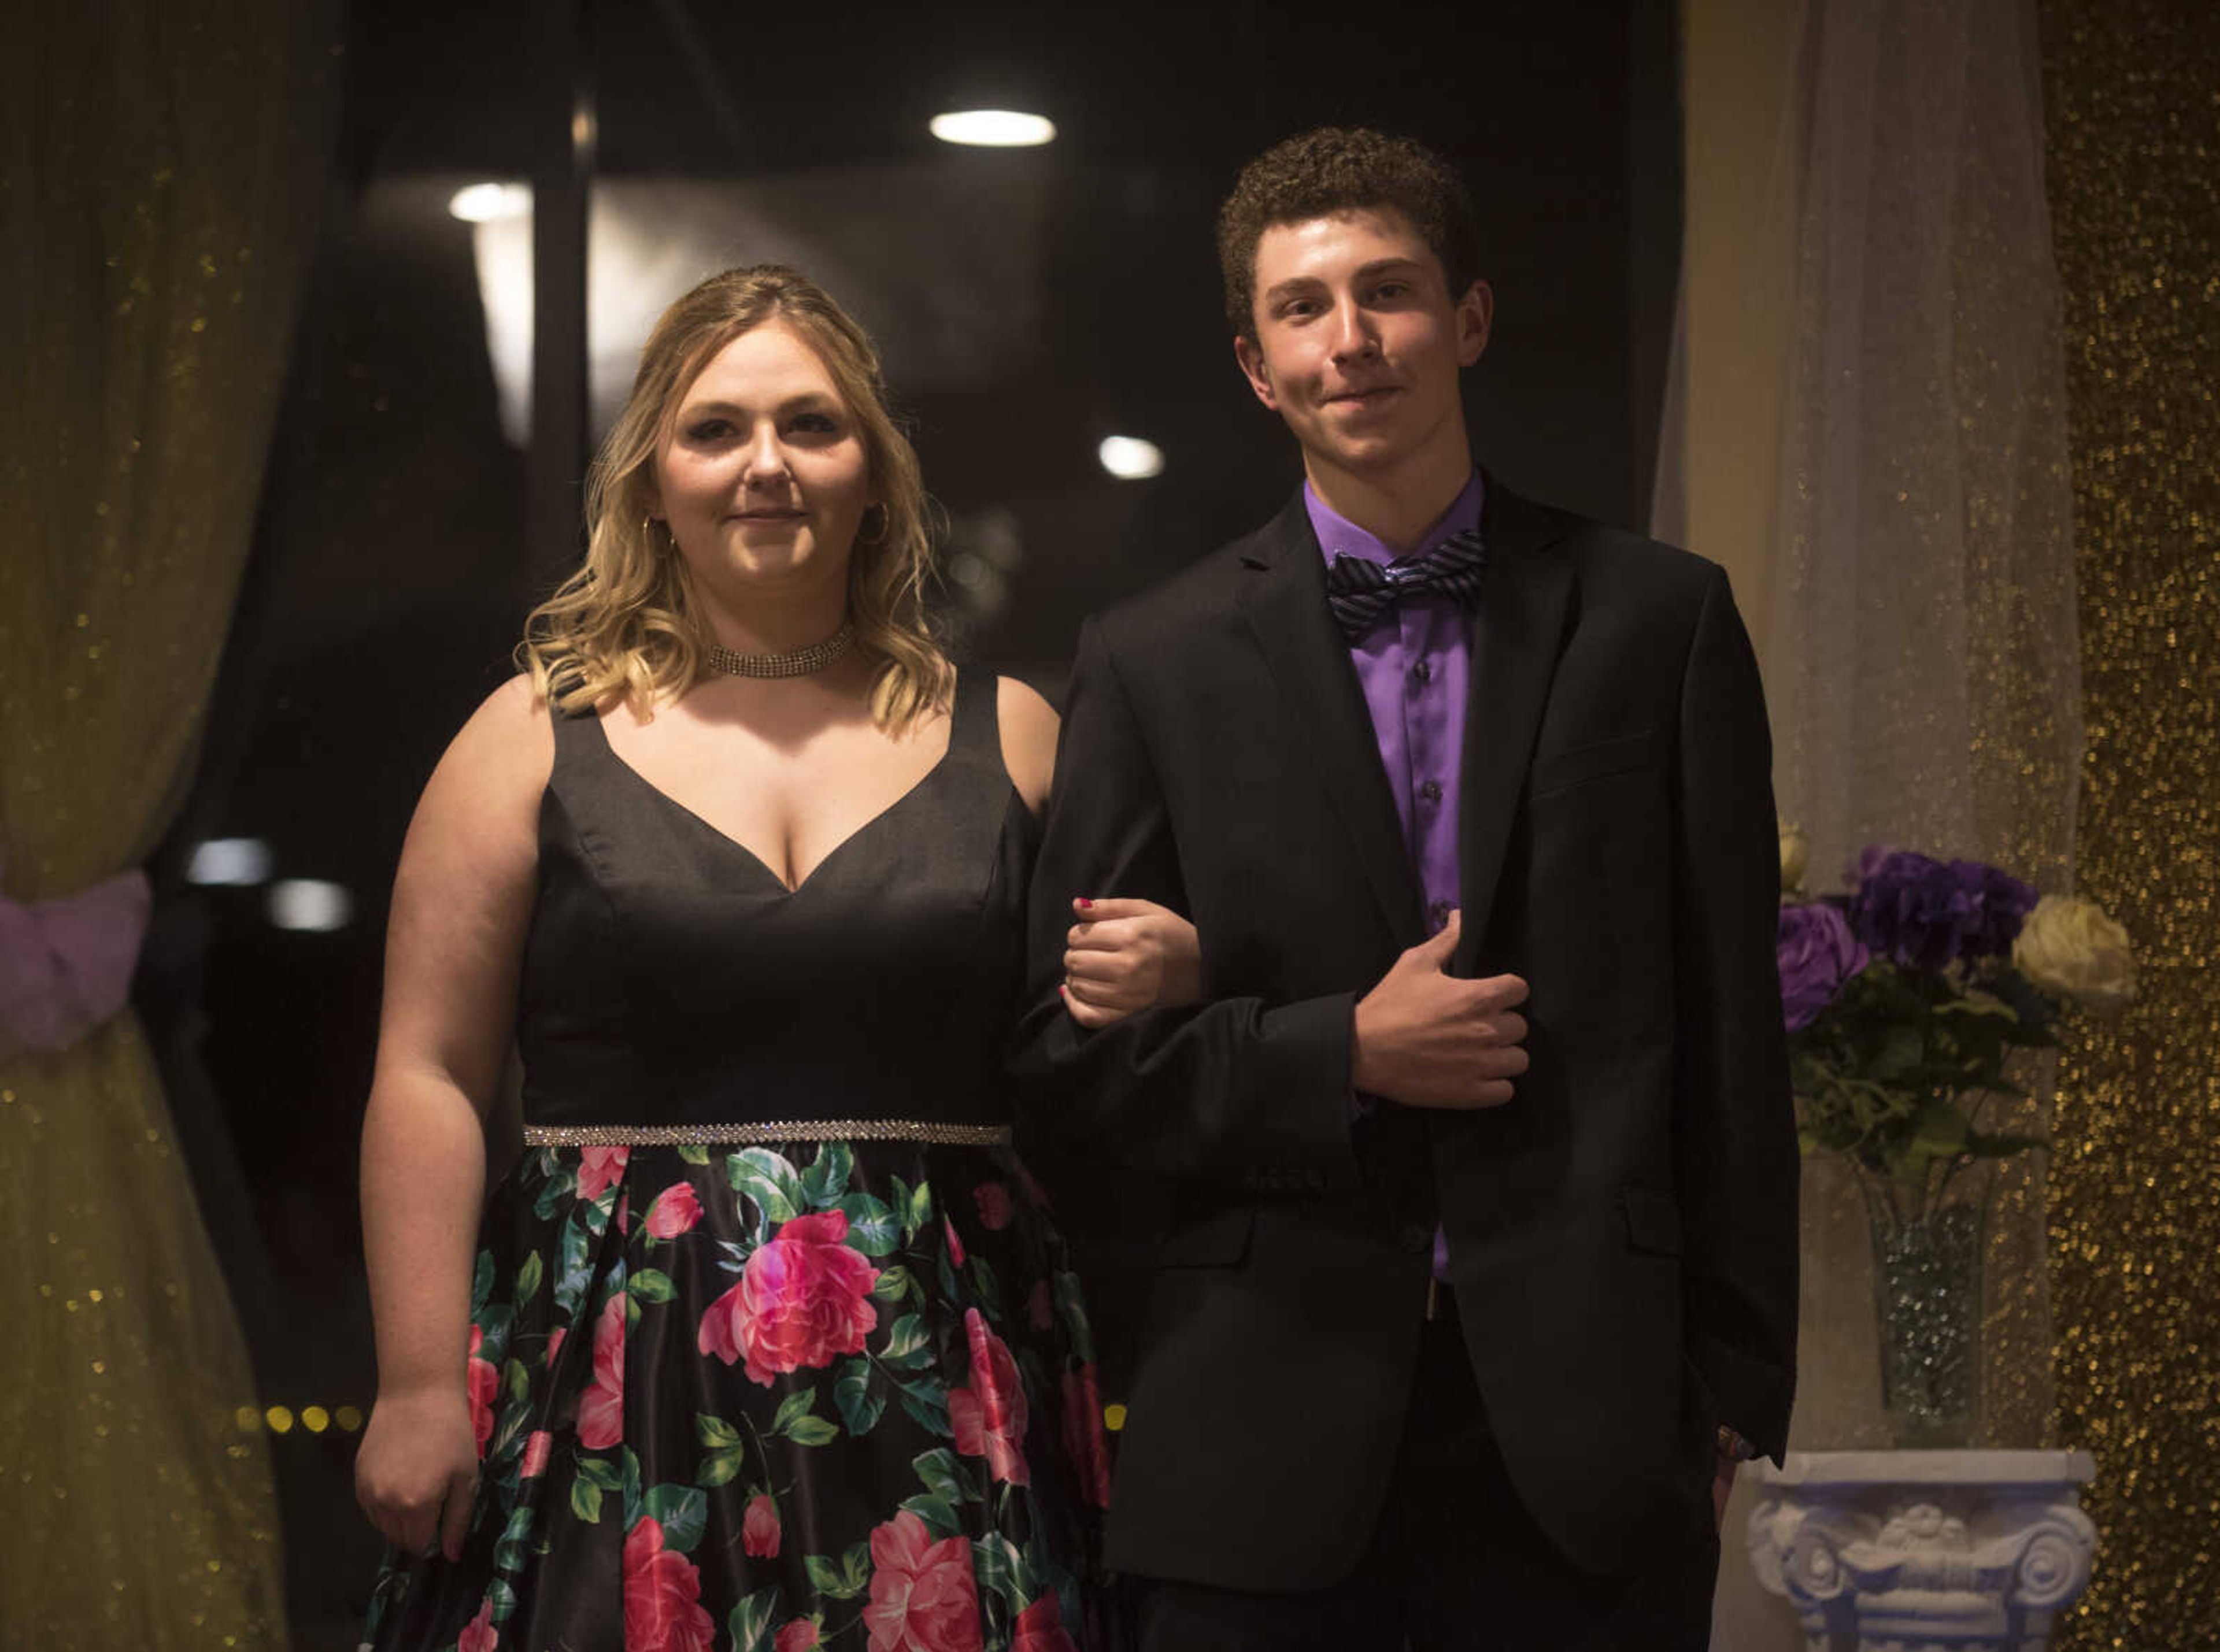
(1475,316)
(1252,357)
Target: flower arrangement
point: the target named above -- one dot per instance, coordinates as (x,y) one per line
(1906,997)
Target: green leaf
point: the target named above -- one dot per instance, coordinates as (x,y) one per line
(720,1468)
(813,1430)
(989,1288)
(481,1282)
(682,1510)
(554,1195)
(798,1404)
(495,1323)
(2003,1144)
(515,1380)
(998,1566)
(859,1396)
(602,1472)
(920,1209)
(586,1500)
(528,1278)
(827,1179)
(651,1285)
(937,1512)
(871,1224)
(577,1275)
(508,1435)
(1900,1053)
(1942,1129)
(1072,1305)
(768,1180)
(902,1208)
(504,1599)
(509,1555)
(631,1487)
(596,1212)
(843,1581)
(714,1432)
(752,1621)
(891,1283)
(928,1404)
(941,1474)
(693,1153)
(907,1346)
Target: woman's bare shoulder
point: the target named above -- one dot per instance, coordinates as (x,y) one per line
(1030,727)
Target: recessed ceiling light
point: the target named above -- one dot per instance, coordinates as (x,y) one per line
(994,128)
(235,863)
(310,904)
(486,203)
(1129,459)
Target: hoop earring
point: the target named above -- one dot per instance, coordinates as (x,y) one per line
(669,541)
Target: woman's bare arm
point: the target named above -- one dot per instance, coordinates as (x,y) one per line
(462,904)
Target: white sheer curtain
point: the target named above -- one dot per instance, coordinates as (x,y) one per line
(1868,428)
(1921,642)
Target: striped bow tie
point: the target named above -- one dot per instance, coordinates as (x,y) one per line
(1361,591)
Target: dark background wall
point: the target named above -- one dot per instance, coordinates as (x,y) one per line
(1029,304)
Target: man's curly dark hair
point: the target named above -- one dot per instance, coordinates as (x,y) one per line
(1340,169)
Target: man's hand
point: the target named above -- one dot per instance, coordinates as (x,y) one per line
(1427,1039)
(1723,1471)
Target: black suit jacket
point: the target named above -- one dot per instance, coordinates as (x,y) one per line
(1621,1234)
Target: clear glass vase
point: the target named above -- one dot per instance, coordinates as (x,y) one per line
(1927,1290)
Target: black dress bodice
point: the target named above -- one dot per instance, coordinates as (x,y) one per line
(670,977)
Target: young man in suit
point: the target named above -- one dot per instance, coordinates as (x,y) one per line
(1463,1198)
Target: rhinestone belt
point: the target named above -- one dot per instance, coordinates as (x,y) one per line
(764,1133)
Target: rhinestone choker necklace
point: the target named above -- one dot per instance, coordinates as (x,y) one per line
(802,662)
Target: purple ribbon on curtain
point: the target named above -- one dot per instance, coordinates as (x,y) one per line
(66,964)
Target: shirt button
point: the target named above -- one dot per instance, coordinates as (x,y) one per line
(1431,791)
(1424,670)
(1438,914)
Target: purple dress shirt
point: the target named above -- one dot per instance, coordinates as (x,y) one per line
(1414,667)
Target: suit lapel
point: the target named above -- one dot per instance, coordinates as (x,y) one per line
(1286,606)
(1517,635)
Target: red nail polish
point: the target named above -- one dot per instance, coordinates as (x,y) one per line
(1084,903)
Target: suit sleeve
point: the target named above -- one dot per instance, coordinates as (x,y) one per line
(1234,1091)
(1735,1131)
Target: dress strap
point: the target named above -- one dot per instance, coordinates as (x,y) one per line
(580,739)
(975,726)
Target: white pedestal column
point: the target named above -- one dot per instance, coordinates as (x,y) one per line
(1924,1551)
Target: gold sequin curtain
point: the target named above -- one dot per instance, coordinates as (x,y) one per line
(160,168)
(2132,93)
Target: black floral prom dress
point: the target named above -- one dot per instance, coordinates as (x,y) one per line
(771,1345)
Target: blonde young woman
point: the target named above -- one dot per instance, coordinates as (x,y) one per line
(764,1343)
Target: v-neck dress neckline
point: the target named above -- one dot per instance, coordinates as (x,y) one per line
(755,857)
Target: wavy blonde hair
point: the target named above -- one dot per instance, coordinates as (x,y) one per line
(622,627)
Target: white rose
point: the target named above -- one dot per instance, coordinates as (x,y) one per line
(2069,947)
(1793,852)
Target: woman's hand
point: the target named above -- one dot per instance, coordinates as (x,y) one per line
(1122,956)
(416,1469)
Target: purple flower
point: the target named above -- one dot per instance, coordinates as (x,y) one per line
(1911,909)
(1817,954)
(2001,904)
(1927,913)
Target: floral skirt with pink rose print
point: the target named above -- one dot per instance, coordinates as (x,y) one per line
(767,1400)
